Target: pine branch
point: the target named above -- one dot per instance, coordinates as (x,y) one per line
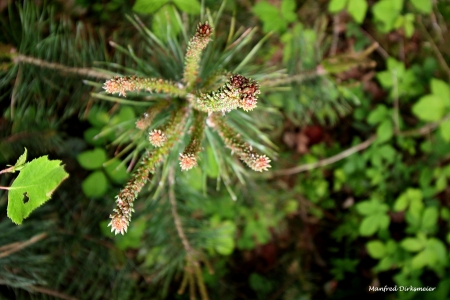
(84,72)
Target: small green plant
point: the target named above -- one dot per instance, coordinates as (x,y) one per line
(105,170)
(34,186)
(356,8)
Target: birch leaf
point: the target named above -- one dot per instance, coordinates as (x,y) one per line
(33,187)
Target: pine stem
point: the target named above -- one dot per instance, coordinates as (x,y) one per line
(85,72)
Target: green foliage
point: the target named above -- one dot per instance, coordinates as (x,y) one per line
(33,186)
(106,170)
(275,18)
(380,211)
(356,8)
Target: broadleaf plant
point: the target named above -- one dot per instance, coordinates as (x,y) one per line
(34,186)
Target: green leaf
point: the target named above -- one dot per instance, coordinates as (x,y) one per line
(36,182)
(441,90)
(385,264)
(270,16)
(387,12)
(429,108)
(369,225)
(409,196)
(189,6)
(116,171)
(224,245)
(437,247)
(378,114)
(164,18)
(409,27)
(98,117)
(385,131)
(18,165)
(92,159)
(420,260)
(366,208)
(357,9)
(288,10)
(385,79)
(422,5)
(91,136)
(95,185)
(411,244)
(22,159)
(430,218)
(336,5)
(376,249)
(148,6)
(126,113)
(444,129)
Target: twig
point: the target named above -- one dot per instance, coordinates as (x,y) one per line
(176,218)
(327,161)
(14,91)
(396,116)
(379,49)
(86,72)
(424,129)
(192,263)
(435,48)
(286,79)
(334,41)
(50,292)
(17,246)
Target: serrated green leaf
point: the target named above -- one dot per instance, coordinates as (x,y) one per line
(288,10)
(422,5)
(148,6)
(378,114)
(22,159)
(95,185)
(385,131)
(336,5)
(376,249)
(429,108)
(189,6)
(411,244)
(444,129)
(18,165)
(441,89)
(385,79)
(92,159)
(387,12)
(37,180)
(357,9)
(270,16)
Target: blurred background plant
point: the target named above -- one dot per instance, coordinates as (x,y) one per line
(358,195)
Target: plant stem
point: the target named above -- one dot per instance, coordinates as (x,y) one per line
(85,72)
(327,161)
